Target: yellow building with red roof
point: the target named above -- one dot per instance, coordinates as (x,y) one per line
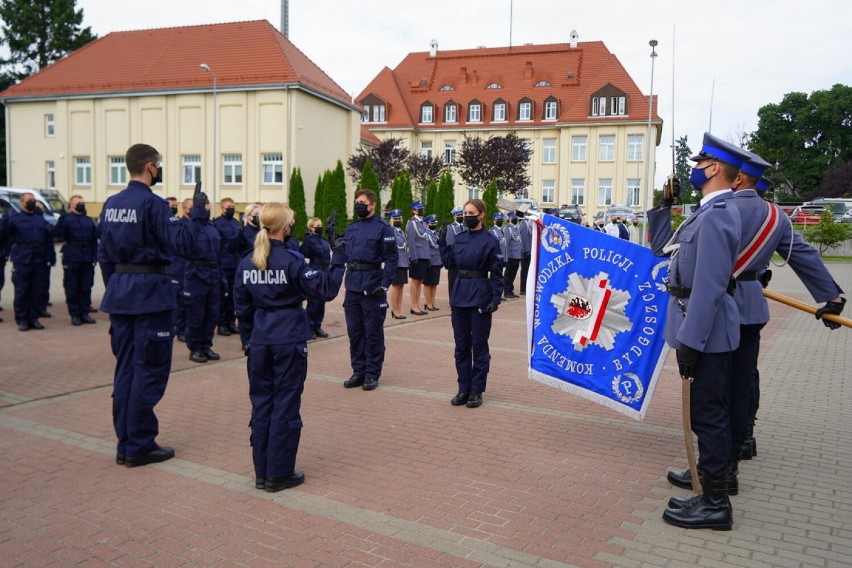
(272,109)
(584,117)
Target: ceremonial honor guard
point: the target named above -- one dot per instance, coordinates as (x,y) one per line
(400,279)
(454,228)
(475,297)
(515,253)
(702,323)
(419,255)
(369,247)
(433,273)
(526,230)
(269,288)
(79,254)
(317,252)
(496,231)
(229,247)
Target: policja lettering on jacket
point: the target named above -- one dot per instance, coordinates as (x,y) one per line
(120,215)
(264,277)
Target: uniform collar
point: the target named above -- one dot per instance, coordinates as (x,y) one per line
(715,194)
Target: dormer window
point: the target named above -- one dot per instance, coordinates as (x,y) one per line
(551,108)
(498,112)
(494,86)
(542,84)
(608,101)
(474,111)
(426,113)
(451,112)
(374,109)
(447,88)
(525,109)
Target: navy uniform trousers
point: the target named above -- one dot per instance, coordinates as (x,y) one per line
(365,320)
(743,368)
(201,300)
(142,345)
(78,279)
(28,280)
(471,330)
(277,376)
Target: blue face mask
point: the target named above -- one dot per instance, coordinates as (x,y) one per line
(698,178)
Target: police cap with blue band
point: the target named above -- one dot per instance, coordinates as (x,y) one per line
(417,205)
(755,165)
(715,148)
(430,219)
(764,183)
(395,213)
(456,211)
(497,215)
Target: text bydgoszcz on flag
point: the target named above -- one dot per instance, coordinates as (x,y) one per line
(595,323)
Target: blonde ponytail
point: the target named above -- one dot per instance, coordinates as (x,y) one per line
(273,218)
(261,249)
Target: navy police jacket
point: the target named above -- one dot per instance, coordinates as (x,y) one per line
(268,302)
(202,270)
(29,237)
(247,242)
(476,252)
(178,266)
(80,236)
(316,250)
(137,228)
(229,243)
(369,241)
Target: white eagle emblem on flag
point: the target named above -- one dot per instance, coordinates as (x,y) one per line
(591,312)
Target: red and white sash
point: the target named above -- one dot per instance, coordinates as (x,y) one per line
(758,242)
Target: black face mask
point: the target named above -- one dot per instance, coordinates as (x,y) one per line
(499,222)
(397,223)
(80,208)
(514,221)
(419,212)
(229,212)
(362,210)
(253,220)
(318,231)
(432,226)
(471,221)
(30,205)
(158,178)
(459,220)
(173,210)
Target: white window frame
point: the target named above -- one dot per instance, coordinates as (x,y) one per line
(426,149)
(50,174)
(379,113)
(82,170)
(548,151)
(451,113)
(594,106)
(476,112)
(449,152)
(602,106)
(578,191)
(633,191)
(606,148)
(579,145)
(49,126)
(117,171)
(190,168)
(605,192)
(272,169)
(426,114)
(525,111)
(366,116)
(548,191)
(550,110)
(232,169)
(622,106)
(613,105)
(635,145)
(499,112)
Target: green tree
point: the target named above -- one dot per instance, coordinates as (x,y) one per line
(688,194)
(827,234)
(431,205)
(806,136)
(489,196)
(319,200)
(39,32)
(401,195)
(387,160)
(446,198)
(297,203)
(369,180)
(336,195)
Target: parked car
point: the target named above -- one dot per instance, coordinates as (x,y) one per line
(57,202)
(807,214)
(11,196)
(841,209)
(618,211)
(571,213)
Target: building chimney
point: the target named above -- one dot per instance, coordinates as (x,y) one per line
(463,76)
(285,18)
(574,37)
(433,48)
(528,71)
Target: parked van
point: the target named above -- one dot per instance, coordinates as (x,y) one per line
(11,196)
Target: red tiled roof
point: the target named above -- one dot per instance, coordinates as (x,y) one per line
(575,73)
(240,53)
(368,137)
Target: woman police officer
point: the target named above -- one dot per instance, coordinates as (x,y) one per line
(474,297)
(269,288)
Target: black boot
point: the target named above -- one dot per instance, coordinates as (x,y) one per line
(682,479)
(712,510)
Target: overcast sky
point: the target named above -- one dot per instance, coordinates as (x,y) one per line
(739,54)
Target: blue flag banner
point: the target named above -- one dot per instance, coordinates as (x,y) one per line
(595,324)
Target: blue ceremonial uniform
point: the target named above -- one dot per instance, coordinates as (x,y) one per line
(274,325)
(138,239)
(417,235)
(202,282)
(401,247)
(79,254)
(525,228)
(28,236)
(371,258)
(515,254)
(498,235)
(229,241)
(479,261)
(318,252)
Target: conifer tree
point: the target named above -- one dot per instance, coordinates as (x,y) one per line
(297,203)
(489,196)
(446,199)
(336,196)
(369,180)
(431,205)
(319,200)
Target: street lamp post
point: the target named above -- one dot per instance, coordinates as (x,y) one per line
(207,68)
(648,185)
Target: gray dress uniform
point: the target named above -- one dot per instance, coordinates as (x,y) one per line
(418,246)
(497,233)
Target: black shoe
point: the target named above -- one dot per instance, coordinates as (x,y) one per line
(45,314)
(460,398)
(224,331)
(88,319)
(523,293)
(370,384)
(712,510)
(274,484)
(353,381)
(35,324)
(198,357)
(320,332)
(474,400)
(746,451)
(181,338)
(681,503)
(23,326)
(91,310)
(154,456)
(682,479)
(211,355)
(417,313)
(76,321)
(431,308)
(234,329)
(120,459)
(259,483)
(398,317)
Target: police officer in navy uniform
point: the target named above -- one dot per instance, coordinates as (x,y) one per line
(79,254)
(5,246)
(251,228)
(400,279)
(29,238)
(202,289)
(318,252)
(229,241)
(270,286)
(371,258)
(515,254)
(138,238)
(703,323)
(496,231)
(456,227)
(419,256)
(525,228)
(475,297)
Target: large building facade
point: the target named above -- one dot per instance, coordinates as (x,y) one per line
(582,114)
(236,106)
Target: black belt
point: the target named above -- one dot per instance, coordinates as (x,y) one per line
(28,245)
(142,268)
(678,291)
(472,274)
(747,276)
(204,263)
(359,267)
(319,262)
(277,308)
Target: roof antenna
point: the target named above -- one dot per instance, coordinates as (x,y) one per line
(510,23)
